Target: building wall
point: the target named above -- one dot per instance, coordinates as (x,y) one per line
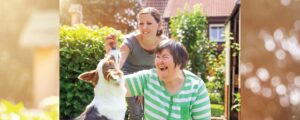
(270,60)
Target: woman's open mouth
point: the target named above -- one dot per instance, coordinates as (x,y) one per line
(163,68)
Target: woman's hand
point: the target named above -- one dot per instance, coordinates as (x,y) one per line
(110,42)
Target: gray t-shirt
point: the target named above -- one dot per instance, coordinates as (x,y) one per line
(138,59)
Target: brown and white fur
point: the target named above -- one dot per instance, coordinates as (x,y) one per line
(109,89)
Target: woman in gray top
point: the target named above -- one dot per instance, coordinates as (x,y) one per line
(137,51)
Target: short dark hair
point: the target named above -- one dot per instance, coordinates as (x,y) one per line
(155,14)
(177,50)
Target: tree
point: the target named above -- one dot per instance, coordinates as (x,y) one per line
(190,28)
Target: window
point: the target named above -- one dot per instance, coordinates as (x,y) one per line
(216,32)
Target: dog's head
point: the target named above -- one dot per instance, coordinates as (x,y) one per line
(107,72)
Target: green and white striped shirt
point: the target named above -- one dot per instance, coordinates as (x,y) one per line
(191,102)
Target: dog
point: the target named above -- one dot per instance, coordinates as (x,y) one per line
(109,88)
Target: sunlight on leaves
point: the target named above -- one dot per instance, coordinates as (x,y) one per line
(11,111)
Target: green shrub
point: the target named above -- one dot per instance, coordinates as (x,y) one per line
(216,75)
(215,98)
(11,111)
(217,110)
(190,28)
(81,48)
(237,102)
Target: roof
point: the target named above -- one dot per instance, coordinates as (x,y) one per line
(235,11)
(212,8)
(41,29)
(158,4)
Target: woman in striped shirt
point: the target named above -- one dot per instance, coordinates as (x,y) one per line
(171,93)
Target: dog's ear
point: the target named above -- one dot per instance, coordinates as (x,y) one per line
(91,77)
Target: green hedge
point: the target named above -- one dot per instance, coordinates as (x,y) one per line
(81,48)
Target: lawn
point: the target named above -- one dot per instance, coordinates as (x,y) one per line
(217,110)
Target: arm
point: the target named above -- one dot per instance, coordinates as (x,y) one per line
(135,83)
(124,54)
(124,49)
(110,42)
(201,109)
(128,93)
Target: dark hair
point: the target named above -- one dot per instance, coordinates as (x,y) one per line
(155,14)
(177,50)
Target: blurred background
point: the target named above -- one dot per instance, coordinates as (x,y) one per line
(270,59)
(28,51)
